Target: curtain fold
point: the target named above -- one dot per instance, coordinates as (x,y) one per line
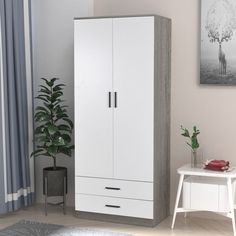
(15,183)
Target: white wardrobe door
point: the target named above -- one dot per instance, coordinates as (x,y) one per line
(93,81)
(133,71)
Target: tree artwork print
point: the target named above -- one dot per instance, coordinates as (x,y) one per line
(218,42)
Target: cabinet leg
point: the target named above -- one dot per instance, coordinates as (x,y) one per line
(231,203)
(177,199)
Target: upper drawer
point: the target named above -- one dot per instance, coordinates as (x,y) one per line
(114,188)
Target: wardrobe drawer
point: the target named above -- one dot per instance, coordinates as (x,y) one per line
(114,206)
(114,188)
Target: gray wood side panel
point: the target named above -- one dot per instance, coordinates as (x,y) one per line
(162,74)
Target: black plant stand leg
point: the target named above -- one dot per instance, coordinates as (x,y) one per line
(46,195)
(64,197)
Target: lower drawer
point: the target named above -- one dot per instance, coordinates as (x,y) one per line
(114,206)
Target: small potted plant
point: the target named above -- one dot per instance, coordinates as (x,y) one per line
(53,135)
(193,143)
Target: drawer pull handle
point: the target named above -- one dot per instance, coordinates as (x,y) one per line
(112,206)
(111,188)
(115,99)
(109,99)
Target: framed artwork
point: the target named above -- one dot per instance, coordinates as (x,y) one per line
(218,42)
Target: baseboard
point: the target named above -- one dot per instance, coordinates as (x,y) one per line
(204,215)
(116,219)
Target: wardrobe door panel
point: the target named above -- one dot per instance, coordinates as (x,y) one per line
(93,82)
(133,76)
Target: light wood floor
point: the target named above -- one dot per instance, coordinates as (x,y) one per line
(194,224)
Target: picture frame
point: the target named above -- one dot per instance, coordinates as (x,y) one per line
(218,42)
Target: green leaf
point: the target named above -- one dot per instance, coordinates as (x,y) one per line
(55,97)
(40,113)
(44,87)
(64,128)
(67,138)
(45,91)
(40,129)
(48,82)
(185,135)
(195,134)
(54,79)
(43,154)
(58,141)
(65,150)
(58,87)
(41,98)
(58,93)
(48,105)
(36,152)
(44,117)
(195,143)
(61,115)
(43,138)
(69,122)
(52,129)
(52,149)
(40,108)
(58,101)
(185,132)
(45,96)
(59,109)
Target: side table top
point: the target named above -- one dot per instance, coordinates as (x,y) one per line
(188,170)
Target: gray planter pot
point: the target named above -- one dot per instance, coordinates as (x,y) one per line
(54,181)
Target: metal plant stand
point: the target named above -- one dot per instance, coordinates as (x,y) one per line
(55,184)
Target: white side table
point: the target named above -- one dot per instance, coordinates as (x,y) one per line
(187,170)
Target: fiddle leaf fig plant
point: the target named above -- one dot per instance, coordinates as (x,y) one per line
(53,126)
(194,144)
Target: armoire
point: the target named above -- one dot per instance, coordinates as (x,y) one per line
(122,118)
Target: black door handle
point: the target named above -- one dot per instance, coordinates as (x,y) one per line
(112,206)
(112,188)
(109,99)
(115,99)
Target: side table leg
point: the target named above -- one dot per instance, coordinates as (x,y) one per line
(177,199)
(231,203)
(234,186)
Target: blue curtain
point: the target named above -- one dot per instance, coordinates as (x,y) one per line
(15,191)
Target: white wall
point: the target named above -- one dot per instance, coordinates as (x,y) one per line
(53,57)
(211,108)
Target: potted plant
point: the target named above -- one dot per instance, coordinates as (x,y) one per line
(53,135)
(194,144)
